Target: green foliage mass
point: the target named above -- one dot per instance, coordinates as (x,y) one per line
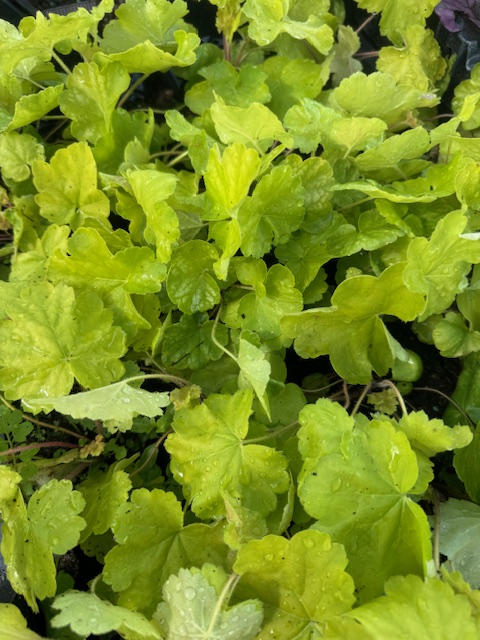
(166,254)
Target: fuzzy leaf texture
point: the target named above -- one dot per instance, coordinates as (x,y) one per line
(192,611)
(116,405)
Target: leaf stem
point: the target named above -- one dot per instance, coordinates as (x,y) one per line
(40,423)
(365,22)
(39,445)
(366,389)
(271,434)
(150,455)
(451,400)
(131,89)
(61,63)
(401,401)
(178,159)
(224,596)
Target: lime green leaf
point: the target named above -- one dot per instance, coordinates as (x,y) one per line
(355,481)
(291,80)
(190,284)
(90,263)
(192,609)
(148,58)
(210,460)
(116,405)
(433,436)
(398,15)
(255,126)
(351,331)
(49,525)
(139,21)
(459,529)
(30,108)
(238,88)
(434,612)
(273,212)
(355,134)
(466,100)
(188,344)
(373,233)
(151,188)
(47,339)
(67,186)
(268,18)
(438,267)
(376,96)
(18,151)
(376,190)
(467,183)
(85,613)
(152,544)
(309,123)
(343,63)
(13,625)
(262,310)
(418,63)
(228,179)
(302,582)
(194,138)
(467,464)
(255,370)
(453,338)
(103,494)
(90,98)
(384,162)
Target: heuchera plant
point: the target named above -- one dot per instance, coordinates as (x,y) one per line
(161,266)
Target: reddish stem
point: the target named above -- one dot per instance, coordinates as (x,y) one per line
(39,445)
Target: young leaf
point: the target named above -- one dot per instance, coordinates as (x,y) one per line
(116,405)
(47,339)
(192,609)
(32,534)
(355,481)
(90,263)
(351,331)
(434,612)
(90,98)
(302,582)
(398,15)
(18,151)
(255,370)
(268,19)
(433,436)
(418,63)
(85,613)
(273,212)
(152,544)
(67,186)
(210,459)
(438,267)
(255,126)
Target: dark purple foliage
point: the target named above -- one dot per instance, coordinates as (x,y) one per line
(447,9)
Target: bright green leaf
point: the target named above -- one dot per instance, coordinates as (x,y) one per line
(398,15)
(302,582)
(437,267)
(13,625)
(90,98)
(453,338)
(351,331)
(433,436)
(354,482)
(18,151)
(153,544)
(255,126)
(67,186)
(47,339)
(210,460)
(48,525)
(434,613)
(190,283)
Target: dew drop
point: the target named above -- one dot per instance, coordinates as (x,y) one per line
(190,593)
(308,542)
(336,484)
(125,400)
(269,557)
